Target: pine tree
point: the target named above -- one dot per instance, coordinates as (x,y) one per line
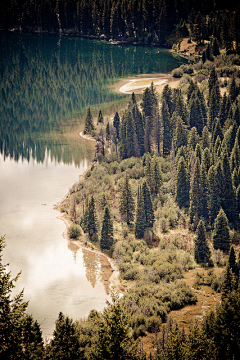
(138,122)
(126,207)
(88,122)
(106,239)
(167,128)
(221,235)
(215,47)
(202,251)
(228,194)
(214,202)
(182,184)
(148,207)
(100,117)
(116,123)
(214,106)
(195,114)
(108,131)
(12,314)
(155,177)
(233,89)
(32,341)
(195,193)
(167,97)
(114,335)
(206,159)
(204,186)
(223,113)
(232,262)
(140,224)
(180,134)
(92,220)
(205,138)
(65,343)
(228,284)
(193,139)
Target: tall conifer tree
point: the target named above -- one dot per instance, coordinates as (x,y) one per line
(126,207)
(221,235)
(202,251)
(106,239)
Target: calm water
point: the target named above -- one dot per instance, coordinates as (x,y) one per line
(45,85)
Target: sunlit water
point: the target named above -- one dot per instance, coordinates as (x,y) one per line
(45,84)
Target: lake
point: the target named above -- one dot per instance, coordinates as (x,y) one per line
(46,83)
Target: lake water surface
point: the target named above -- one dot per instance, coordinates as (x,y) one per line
(46,83)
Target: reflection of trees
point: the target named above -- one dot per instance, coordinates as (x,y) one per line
(45,83)
(97,268)
(91,264)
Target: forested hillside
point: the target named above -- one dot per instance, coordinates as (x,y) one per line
(158,22)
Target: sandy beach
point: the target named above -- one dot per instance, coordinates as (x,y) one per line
(140,82)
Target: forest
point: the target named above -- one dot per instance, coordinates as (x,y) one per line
(147,22)
(162,198)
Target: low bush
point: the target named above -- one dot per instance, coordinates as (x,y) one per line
(74,231)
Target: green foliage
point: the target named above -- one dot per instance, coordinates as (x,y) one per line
(74,231)
(106,239)
(100,117)
(202,251)
(126,207)
(88,122)
(221,236)
(182,184)
(92,220)
(65,343)
(140,224)
(148,207)
(19,336)
(114,337)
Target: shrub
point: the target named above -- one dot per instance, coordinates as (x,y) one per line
(177,73)
(74,231)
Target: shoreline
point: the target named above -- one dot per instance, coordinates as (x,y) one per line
(139,83)
(113,279)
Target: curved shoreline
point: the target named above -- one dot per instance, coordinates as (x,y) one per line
(139,83)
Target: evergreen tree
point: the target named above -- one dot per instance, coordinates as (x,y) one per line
(65,343)
(180,134)
(215,47)
(193,139)
(138,122)
(202,251)
(140,224)
(221,236)
(233,89)
(195,114)
(228,284)
(106,239)
(92,220)
(182,184)
(155,177)
(235,157)
(167,128)
(180,108)
(205,138)
(223,113)
(199,345)
(108,131)
(232,262)
(32,339)
(206,159)
(217,131)
(214,105)
(126,207)
(88,122)
(114,335)
(204,183)
(176,347)
(12,314)
(167,97)
(148,207)
(195,194)
(214,202)
(100,117)
(116,123)
(228,194)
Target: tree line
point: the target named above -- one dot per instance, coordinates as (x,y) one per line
(147,22)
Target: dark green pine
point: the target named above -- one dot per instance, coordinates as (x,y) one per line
(206,159)
(88,122)
(180,108)
(214,202)
(193,139)
(221,235)
(217,131)
(180,134)
(205,138)
(229,282)
(167,97)
(139,127)
(235,157)
(148,207)
(223,113)
(108,131)
(116,123)
(106,239)
(232,262)
(238,201)
(201,251)
(233,89)
(126,207)
(228,194)
(140,224)
(130,134)
(167,128)
(195,115)
(92,220)
(195,194)
(100,117)
(204,183)
(182,184)
(156,176)
(213,107)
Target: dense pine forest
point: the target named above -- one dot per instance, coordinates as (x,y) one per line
(162,197)
(147,22)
